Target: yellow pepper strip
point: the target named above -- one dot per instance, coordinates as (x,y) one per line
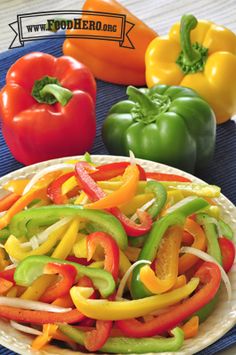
(43,339)
(124,265)
(166,263)
(82,199)
(132,253)
(14,249)
(69,185)
(124,194)
(3,261)
(80,249)
(97,265)
(64,247)
(190,328)
(16,186)
(12,292)
(137,201)
(186,261)
(115,310)
(181,281)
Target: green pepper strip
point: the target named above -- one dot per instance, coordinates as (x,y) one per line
(33,266)
(226,230)
(149,250)
(106,222)
(123,345)
(161,196)
(213,247)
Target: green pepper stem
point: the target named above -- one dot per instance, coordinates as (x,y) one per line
(138,96)
(48,90)
(61,94)
(188,23)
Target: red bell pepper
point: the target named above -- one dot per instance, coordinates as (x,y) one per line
(8,200)
(166,177)
(227,249)
(5,285)
(46,102)
(95,193)
(8,274)
(67,273)
(111,250)
(210,277)
(97,337)
(81,261)
(54,189)
(40,317)
(109,171)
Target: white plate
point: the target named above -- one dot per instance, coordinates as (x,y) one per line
(222,319)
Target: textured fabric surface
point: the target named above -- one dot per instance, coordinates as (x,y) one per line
(221,171)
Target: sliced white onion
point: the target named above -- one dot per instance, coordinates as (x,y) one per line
(143,208)
(33,305)
(206,257)
(14,261)
(25,329)
(132,158)
(2,246)
(43,236)
(8,267)
(45,171)
(181,203)
(124,279)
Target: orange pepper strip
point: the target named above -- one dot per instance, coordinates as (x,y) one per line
(167,263)
(125,193)
(43,339)
(180,282)
(20,204)
(190,328)
(16,186)
(7,201)
(186,261)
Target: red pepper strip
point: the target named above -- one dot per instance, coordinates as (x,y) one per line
(95,193)
(96,338)
(54,189)
(40,317)
(8,275)
(8,200)
(210,277)
(109,171)
(166,177)
(227,249)
(111,249)
(5,285)
(81,261)
(62,287)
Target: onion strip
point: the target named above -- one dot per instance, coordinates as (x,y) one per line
(206,257)
(124,279)
(181,203)
(32,305)
(25,329)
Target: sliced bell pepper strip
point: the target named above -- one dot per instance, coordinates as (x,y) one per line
(32,267)
(106,221)
(166,263)
(210,278)
(111,250)
(130,180)
(186,261)
(16,186)
(190,328)
(166,177)
(7,201)
(189,188)
(66,243)
(54,189)
(86,181)
(20,204)
(115,310)
(47,334)
(135,203)
(226,230)
(109,171)
(5,285)
(227,249)
(209,228)
(8,274)
(152,242)
(96,338)
(123,345)
(67,275)
(160,197)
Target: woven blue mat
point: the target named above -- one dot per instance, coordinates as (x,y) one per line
(220,172)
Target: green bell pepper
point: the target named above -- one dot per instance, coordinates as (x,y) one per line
(149,250)
(105,221)
(167,124)
(33,266)
(123,345)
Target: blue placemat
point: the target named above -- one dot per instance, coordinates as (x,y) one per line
(220,172)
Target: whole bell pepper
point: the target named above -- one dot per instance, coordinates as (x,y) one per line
(199,55)
(109,60)
(167,124)
(46,102)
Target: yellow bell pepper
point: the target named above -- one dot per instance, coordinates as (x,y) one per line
(167,260)
(199,55)
(103,309)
